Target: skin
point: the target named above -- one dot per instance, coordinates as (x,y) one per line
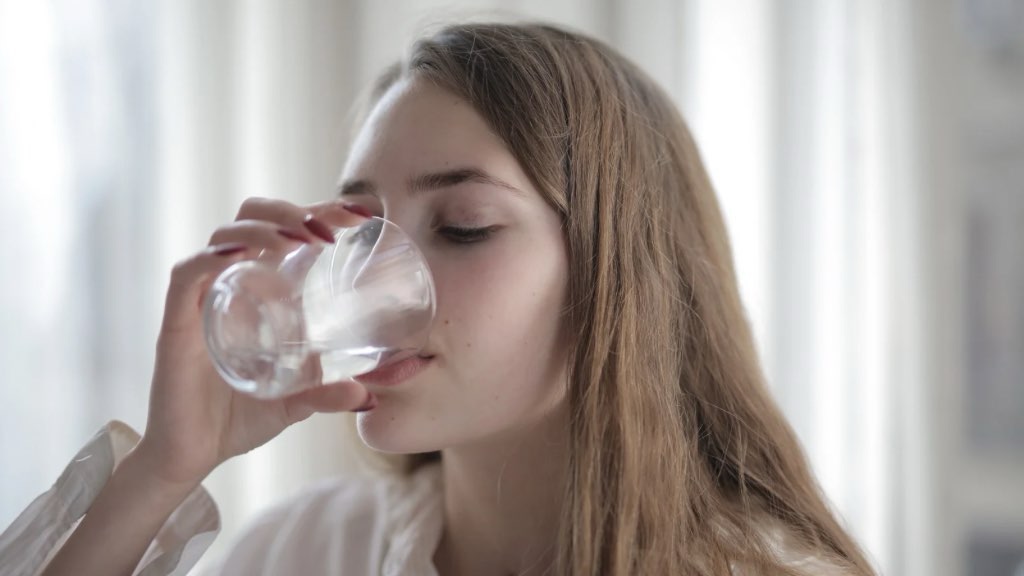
(491,398)
(195,421)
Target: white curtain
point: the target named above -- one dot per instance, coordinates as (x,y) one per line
(803,110)
(129,131)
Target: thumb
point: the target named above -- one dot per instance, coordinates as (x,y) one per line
(346,395)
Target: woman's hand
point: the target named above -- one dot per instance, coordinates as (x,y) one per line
(196,421)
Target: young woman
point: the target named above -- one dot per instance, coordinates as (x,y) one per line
(590,400)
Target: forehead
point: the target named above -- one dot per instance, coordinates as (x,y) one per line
(417,126)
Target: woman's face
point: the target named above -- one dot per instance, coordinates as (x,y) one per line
(499,360)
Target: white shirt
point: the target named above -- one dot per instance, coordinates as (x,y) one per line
(351,525)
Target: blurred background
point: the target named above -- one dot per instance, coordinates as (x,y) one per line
(868,154)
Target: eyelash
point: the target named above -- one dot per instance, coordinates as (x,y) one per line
(454,234)
(458,235)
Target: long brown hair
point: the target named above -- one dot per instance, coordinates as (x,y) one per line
(680,461)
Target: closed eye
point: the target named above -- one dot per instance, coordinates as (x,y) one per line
(466,235)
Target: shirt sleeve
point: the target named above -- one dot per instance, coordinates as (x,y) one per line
(31,541)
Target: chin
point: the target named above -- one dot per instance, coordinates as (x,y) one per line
(391,434)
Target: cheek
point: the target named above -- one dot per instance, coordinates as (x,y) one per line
(498,310)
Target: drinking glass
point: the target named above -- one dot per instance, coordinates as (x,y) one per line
(321,313)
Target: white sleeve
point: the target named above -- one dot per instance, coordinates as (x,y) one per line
(31,541)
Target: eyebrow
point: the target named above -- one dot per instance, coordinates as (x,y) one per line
(432,181)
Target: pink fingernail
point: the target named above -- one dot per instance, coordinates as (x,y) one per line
(319,228)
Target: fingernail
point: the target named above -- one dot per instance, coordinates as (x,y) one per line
(357,209)
(370,404)
(292,235)
(319,228)
(229,249)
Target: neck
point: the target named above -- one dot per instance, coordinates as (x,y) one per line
(503,502)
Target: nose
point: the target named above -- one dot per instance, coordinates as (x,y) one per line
(371,231)
(412,218)
(395,284)
(408,220)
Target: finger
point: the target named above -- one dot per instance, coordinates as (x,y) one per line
(190,278)
(286,215)
(272,210)
(262,234)
(318,219)
(338,213)
(337,397)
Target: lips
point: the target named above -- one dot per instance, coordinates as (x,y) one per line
(394,374)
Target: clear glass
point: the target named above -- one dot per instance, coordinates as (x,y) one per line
(322,313)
